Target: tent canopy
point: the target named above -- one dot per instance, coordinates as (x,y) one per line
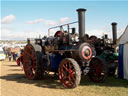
(124,37)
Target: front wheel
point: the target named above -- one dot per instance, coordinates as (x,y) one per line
(69,73)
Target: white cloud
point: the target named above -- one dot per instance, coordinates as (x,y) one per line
(100,32)
(64,19)
(36,21)
(52,32)
(8,19)
(50,22)
(9,34)
(96,32)
(46,22)
(120,32)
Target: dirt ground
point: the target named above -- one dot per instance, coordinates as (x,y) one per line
(14,83)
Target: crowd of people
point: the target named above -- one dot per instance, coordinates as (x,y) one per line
(11,54)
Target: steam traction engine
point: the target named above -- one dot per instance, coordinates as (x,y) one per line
(68,54)
(106,58)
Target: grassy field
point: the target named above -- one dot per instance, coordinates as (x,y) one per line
(14,83)
(113,86)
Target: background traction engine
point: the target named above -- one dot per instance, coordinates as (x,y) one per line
(106,60)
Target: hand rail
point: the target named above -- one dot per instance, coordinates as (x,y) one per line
(61,26)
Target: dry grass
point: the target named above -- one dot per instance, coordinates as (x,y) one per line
(14,83)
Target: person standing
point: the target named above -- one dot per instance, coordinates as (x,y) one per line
(9,55)
(14,56)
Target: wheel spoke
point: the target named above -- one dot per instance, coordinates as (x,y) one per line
(30,49)
(27,53)
(63,75)
(28,61)
(70,66)
(70,81)
(73,76)
(65,67)
(29,68)
(31,74)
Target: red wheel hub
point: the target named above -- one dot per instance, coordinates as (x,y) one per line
(86,52)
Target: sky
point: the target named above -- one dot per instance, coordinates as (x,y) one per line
(29,19)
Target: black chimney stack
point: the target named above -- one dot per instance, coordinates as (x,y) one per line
(81,20)
(114,30)
(28,40)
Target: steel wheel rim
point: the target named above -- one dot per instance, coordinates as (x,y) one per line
(29,62)
(67,74)
(97,72)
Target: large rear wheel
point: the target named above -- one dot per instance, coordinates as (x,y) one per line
(32,61)
(69,73)
(98,70)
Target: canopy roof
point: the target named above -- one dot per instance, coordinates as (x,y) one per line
(124,37)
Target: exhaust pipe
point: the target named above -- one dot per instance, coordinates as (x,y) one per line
(28,40)
(114,31)
(81,24)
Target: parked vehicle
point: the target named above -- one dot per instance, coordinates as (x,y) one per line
(68,54)
(2,54)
